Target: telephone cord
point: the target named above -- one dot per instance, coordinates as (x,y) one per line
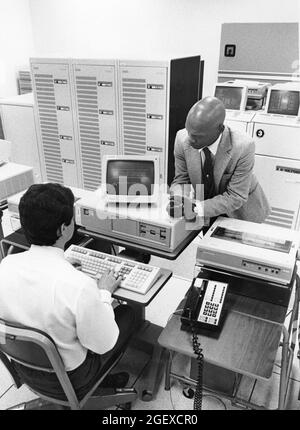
(198,351)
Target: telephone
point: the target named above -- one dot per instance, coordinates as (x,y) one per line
(204,305)
(203,309)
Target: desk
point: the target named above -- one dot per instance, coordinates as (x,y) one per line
(17,242)
(147,333)
(247,344)
(143,248)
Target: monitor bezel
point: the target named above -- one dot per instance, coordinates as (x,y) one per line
(281,88)
(244,95)
(138,199)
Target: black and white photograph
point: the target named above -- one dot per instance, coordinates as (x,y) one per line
(149,208)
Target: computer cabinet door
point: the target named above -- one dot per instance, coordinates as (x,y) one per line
(237,125)
(143,111)
(96,112)
(280,180)
(19,129)
(277,140)
(52,88)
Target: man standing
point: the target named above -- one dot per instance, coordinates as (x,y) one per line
(218,162)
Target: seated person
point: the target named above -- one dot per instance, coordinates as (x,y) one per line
(218,162)
(41,289)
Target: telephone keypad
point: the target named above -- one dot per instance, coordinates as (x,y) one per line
(212,303)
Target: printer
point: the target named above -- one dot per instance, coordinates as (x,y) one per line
(141,224)
(256,92)
(257,250)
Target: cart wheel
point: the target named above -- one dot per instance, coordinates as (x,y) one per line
(188,392)
(147,396)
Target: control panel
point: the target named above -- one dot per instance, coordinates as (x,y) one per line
(154,232)
(259,268)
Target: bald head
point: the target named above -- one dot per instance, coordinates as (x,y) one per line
(204,122)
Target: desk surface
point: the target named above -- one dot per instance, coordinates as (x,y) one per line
(145,248)
(144,299)
(247,344)
(18,239)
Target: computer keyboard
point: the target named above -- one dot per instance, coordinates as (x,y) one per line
(136,276)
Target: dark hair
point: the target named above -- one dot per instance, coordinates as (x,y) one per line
(43,209)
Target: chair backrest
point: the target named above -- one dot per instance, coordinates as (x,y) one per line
(35,349)
(5,150)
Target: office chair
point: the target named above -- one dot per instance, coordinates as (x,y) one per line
(35,349)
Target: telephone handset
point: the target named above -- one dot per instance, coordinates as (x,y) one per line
(203,308)
(204,304)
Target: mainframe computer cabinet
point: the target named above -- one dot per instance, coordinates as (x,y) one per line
(87,108)
(154,99)
(55,120)
(17,115)
(277,166)
(96,101)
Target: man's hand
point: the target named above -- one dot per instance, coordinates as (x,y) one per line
(175,206)
(75,262)
(109,281)
(181,206)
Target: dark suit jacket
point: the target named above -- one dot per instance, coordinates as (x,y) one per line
(238,193)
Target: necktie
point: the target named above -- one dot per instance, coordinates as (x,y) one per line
(207,175)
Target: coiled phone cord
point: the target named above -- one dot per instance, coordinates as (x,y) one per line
(198,351)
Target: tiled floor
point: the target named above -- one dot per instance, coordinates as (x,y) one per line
(137,363)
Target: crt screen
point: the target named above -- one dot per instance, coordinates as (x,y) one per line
(130,177)
(284,102)
(230,96)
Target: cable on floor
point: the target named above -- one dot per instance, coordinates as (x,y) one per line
(204,395)
(216,397)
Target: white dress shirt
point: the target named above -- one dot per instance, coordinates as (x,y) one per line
(39,288)
(213,148)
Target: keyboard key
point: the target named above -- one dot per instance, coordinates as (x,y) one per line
(135,276)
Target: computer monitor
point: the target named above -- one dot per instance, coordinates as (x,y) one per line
(283,99)
(131,178)
(233,96)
